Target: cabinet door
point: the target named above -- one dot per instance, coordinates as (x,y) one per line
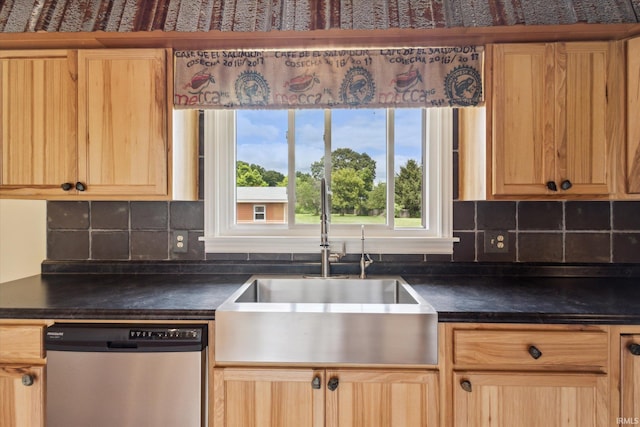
(529,400)
(268,398)
(382,398)
(633,112)
(22,403)
(122,121)
(581,117)
(630,378)
(523,117)
(38,122)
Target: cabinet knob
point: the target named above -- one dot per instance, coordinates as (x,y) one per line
(534,352)
(66,186)
(80,186)
(315,383)
(466,385)
(551,185)
(333,383)
(566,184)
(634,349)
(27,380)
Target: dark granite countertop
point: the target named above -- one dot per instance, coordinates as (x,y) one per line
(468,294)
(117,296)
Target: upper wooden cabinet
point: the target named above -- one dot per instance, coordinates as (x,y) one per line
(94,119)
(632,177)
(123,121)
(38,119)
(553,119)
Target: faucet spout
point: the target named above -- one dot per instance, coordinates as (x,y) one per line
(365,259)
(324,230)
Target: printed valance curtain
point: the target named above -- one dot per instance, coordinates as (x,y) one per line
(381,78)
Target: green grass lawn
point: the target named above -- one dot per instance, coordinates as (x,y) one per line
(357,219)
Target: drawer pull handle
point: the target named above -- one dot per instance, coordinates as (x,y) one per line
(80,186)
(566,184)
(66,186)
(634,349)
(316,384)
(551,185)
(27,380)
(466,385)
(333,383)
(534,352)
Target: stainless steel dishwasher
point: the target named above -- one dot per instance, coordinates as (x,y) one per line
(126,375)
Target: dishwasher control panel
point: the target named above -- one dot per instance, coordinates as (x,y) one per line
(164,334)
(125,337)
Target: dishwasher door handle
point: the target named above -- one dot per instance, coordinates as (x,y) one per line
(121,344)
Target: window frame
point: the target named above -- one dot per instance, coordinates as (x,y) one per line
(263,212)
(223,235)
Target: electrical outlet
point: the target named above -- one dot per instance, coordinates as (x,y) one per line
(496,241)
(180,241)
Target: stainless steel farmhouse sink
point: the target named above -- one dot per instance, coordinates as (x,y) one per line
(298,319)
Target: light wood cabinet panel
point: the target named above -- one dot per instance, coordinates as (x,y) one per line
(633,112)
(383,398)
(526,349)
(529,400)
(581,139)
(268,398)
(630,378)
(523,116)
(21,342)
(122,123)
(38,119)
(21,402)
(334,398)
(21,375)
(551,119)
(94,120)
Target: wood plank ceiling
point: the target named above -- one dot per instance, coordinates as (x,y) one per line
(26,16)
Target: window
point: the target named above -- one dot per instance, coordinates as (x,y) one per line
(259,213)
(389,170)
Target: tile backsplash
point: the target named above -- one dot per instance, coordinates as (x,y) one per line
(537,231)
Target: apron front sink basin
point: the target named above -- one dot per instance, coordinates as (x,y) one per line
(312,320)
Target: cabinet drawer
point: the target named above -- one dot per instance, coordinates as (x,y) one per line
(21,342)
(531,349)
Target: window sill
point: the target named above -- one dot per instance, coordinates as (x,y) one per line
(274,244)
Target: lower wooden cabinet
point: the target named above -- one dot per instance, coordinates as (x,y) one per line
(21,396)
(334,398)
(21,375)
(529,399)
(268,397)
(630,380)
(382,398)
(528,375)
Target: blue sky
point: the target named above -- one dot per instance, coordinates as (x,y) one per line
(261,136)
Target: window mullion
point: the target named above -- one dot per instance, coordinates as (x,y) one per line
(391,189)
(426,169)
(327,146)
(291,169)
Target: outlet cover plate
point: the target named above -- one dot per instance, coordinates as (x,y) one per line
(496,241)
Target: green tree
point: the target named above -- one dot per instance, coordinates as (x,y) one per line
(408,190)
(348,190)
(273,178)
(377,198)
(246,176)
(307,194)
(343,158)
